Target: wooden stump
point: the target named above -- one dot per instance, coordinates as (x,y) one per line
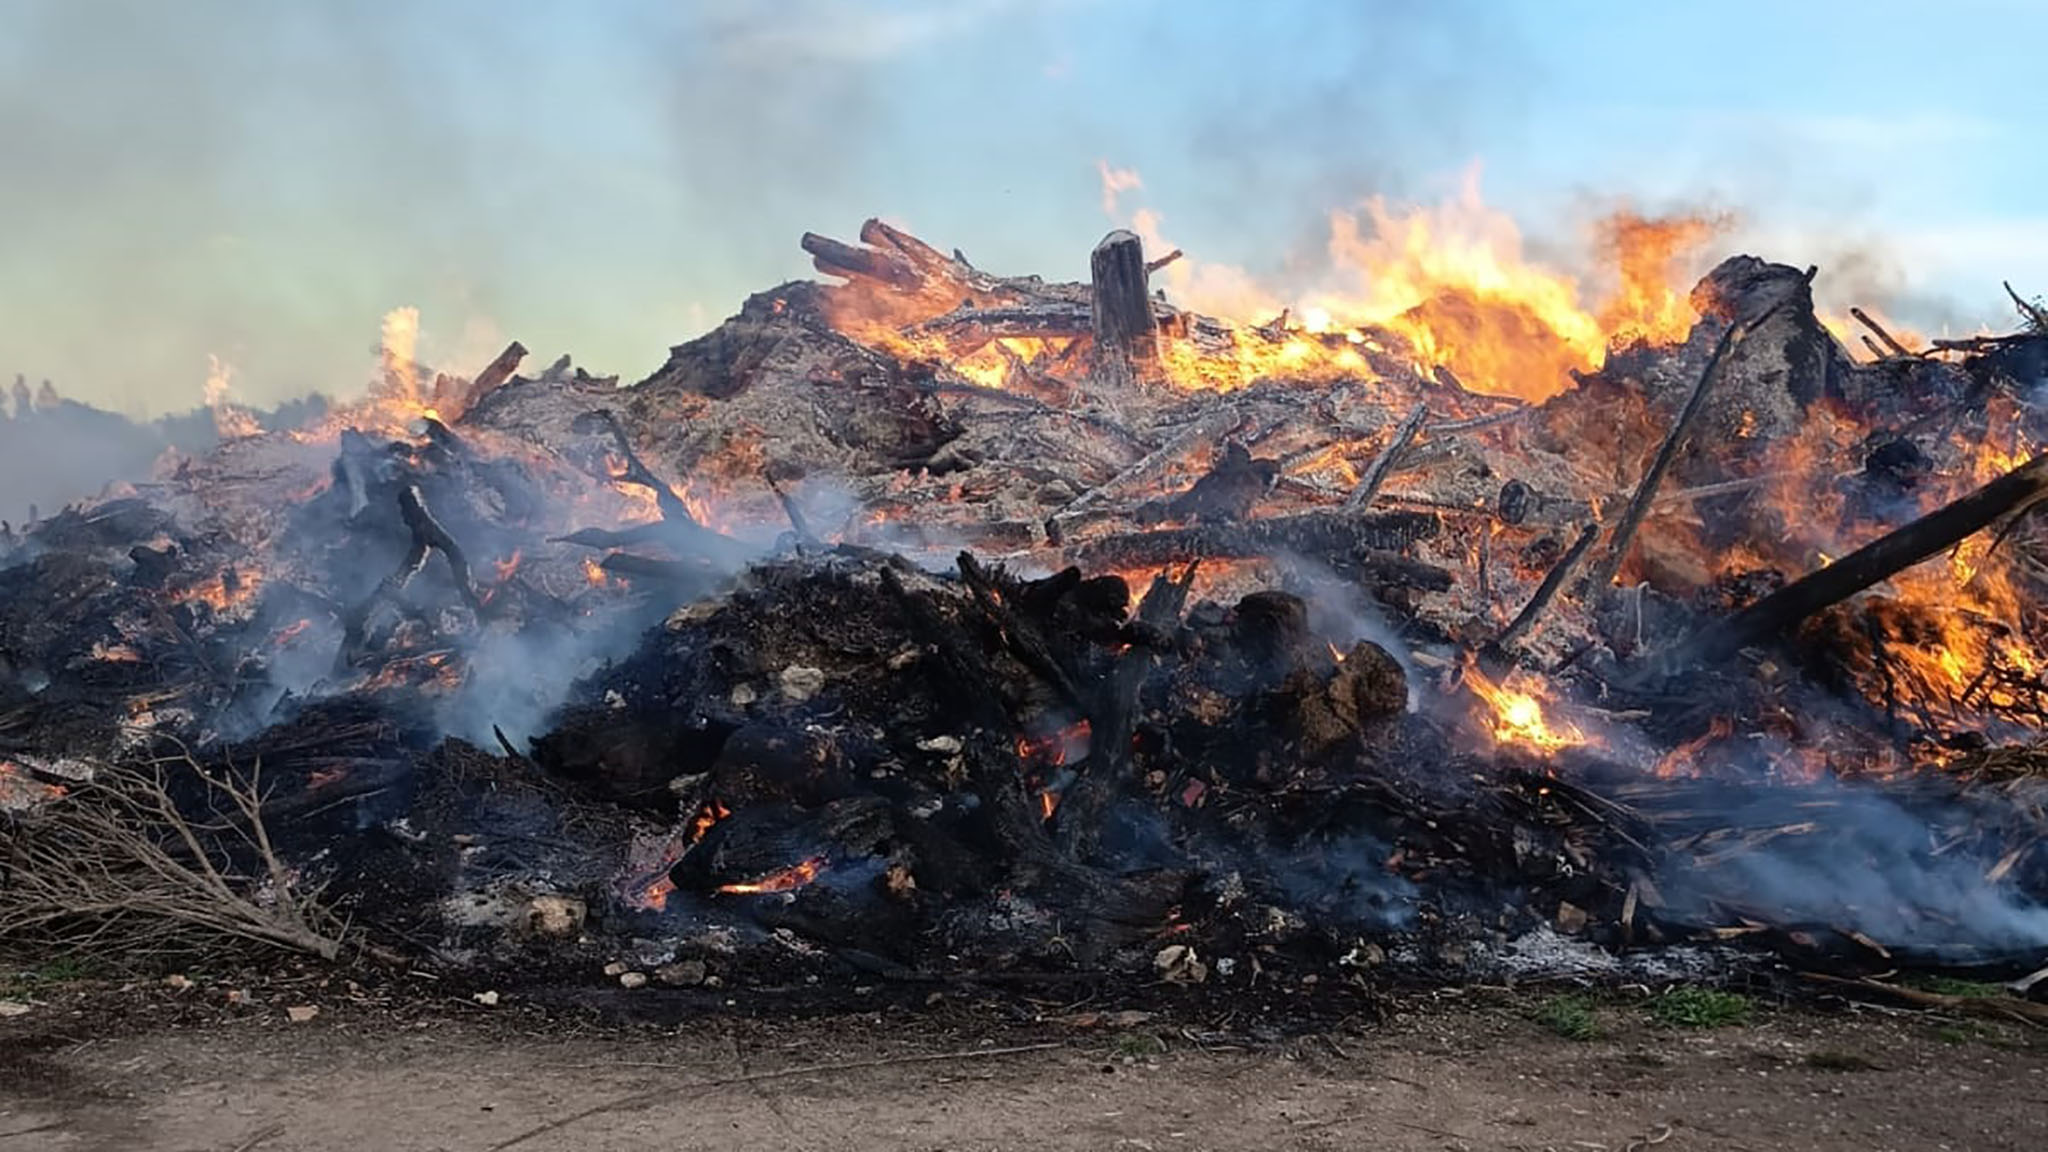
(1126,335)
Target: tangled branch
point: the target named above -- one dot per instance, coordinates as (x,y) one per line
(120,865)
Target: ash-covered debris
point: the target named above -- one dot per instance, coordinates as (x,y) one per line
(895,629)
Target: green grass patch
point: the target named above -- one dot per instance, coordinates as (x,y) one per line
(1137,1046)
(1950,986)
(63,970)
(1692,1007)
(1571,1017)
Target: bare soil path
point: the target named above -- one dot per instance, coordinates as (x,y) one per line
(1450,1075)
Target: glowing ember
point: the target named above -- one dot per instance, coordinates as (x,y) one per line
(229,589)
(1681,761)
(787,880)
(1058,748)
(654,896)
(1518,714)
(711,813)
(1048,803)
(20,792)
(508,567)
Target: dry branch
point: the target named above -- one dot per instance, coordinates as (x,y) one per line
(120,866)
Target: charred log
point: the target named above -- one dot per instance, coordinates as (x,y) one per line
(1126,334)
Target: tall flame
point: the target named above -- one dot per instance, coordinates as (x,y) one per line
(1453,281)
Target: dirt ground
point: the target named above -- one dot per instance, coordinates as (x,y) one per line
(1454,1072)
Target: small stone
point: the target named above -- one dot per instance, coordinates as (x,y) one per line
(1178,964)
(801,682)
(617,968)
(1571,919)
(487,999)
(682,974)
(555,917)
(744,694)
(630,980)
(177,982)
(302,1013)
(12,1008)
(943,745)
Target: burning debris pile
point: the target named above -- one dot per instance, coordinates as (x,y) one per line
(938,620)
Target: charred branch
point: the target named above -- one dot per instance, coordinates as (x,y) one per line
(637,472)
(1897,349)
(1547,590)
(1775,615)
(1369,485)
(1203,432)
(1367,542)
(852,262)
(1603,573)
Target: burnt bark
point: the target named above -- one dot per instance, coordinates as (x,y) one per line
(1126,335)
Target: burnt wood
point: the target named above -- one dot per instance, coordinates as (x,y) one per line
(1126,334)
(1776,614)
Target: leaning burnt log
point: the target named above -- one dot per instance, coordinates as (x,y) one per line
(1367,543)
(1777,614)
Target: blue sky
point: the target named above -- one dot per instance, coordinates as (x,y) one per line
(262,180)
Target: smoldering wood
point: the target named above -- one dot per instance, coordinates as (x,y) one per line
(1546,591)
(1159,262)
(1603,573)
(1369,541)
(1776,614)
(928,260)
(1361,496)
(428,536)
(1106,774)
(1201,433)
(967,330)
(495,374)
(1021,636)
(837,258)
(637,472)
(1896,348)
(1120,310)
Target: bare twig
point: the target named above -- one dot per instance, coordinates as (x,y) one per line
(120,862)
(2036,319)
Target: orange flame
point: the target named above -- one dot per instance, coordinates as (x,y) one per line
(1518,713)
(787,880)
(711,813)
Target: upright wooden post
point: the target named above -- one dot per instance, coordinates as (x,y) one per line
(1126,334)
